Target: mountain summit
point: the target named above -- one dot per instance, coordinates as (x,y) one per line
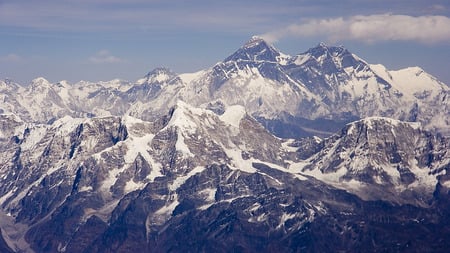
(158,75)
(256,49)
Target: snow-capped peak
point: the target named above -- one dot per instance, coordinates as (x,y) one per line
(40,81)
(257,49)
(182,116)
(253,42)
(324,49)
(158,75)
(413,81)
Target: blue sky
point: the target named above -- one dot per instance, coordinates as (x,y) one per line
(106,39)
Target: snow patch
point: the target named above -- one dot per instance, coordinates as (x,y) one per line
(189,77)
(132,186)
(168,209)
(233,115)
(238,163)
(182,179)
(445,184)
(301,59)
(287,145)
(137,145)
(85,189)
(35,136)
(67,124)
(6,196)
(285,217)
(181,146)
(209,194)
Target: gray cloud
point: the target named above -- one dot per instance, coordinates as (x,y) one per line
(370,29)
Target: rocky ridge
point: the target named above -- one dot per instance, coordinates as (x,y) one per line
(178,163)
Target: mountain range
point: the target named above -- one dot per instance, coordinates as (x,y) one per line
(262,152)
(324,84)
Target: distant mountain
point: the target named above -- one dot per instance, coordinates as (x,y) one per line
(200,162)
(324,83)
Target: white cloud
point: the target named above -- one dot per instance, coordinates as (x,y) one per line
(104,56)
(438,7)
(370,29)
(11,58)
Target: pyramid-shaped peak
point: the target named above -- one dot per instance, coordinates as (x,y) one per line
(160,70)
(256,41)
(256,49)
(40,81)
(159,75)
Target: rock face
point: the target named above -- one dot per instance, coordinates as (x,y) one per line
(382,158)
(196,180)
(189,163)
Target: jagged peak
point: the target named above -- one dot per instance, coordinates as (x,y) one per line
(8,84)
(40,81)
(40,85)
(340,56)
(323,48)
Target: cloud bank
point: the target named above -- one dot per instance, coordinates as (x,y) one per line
(370,29)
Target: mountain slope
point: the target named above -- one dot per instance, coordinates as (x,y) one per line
(86,166)
(222,181)
(382,158)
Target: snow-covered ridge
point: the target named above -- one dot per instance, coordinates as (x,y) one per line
(380,158)
(410,81)
(324,82)
(202,155)
(385,120)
